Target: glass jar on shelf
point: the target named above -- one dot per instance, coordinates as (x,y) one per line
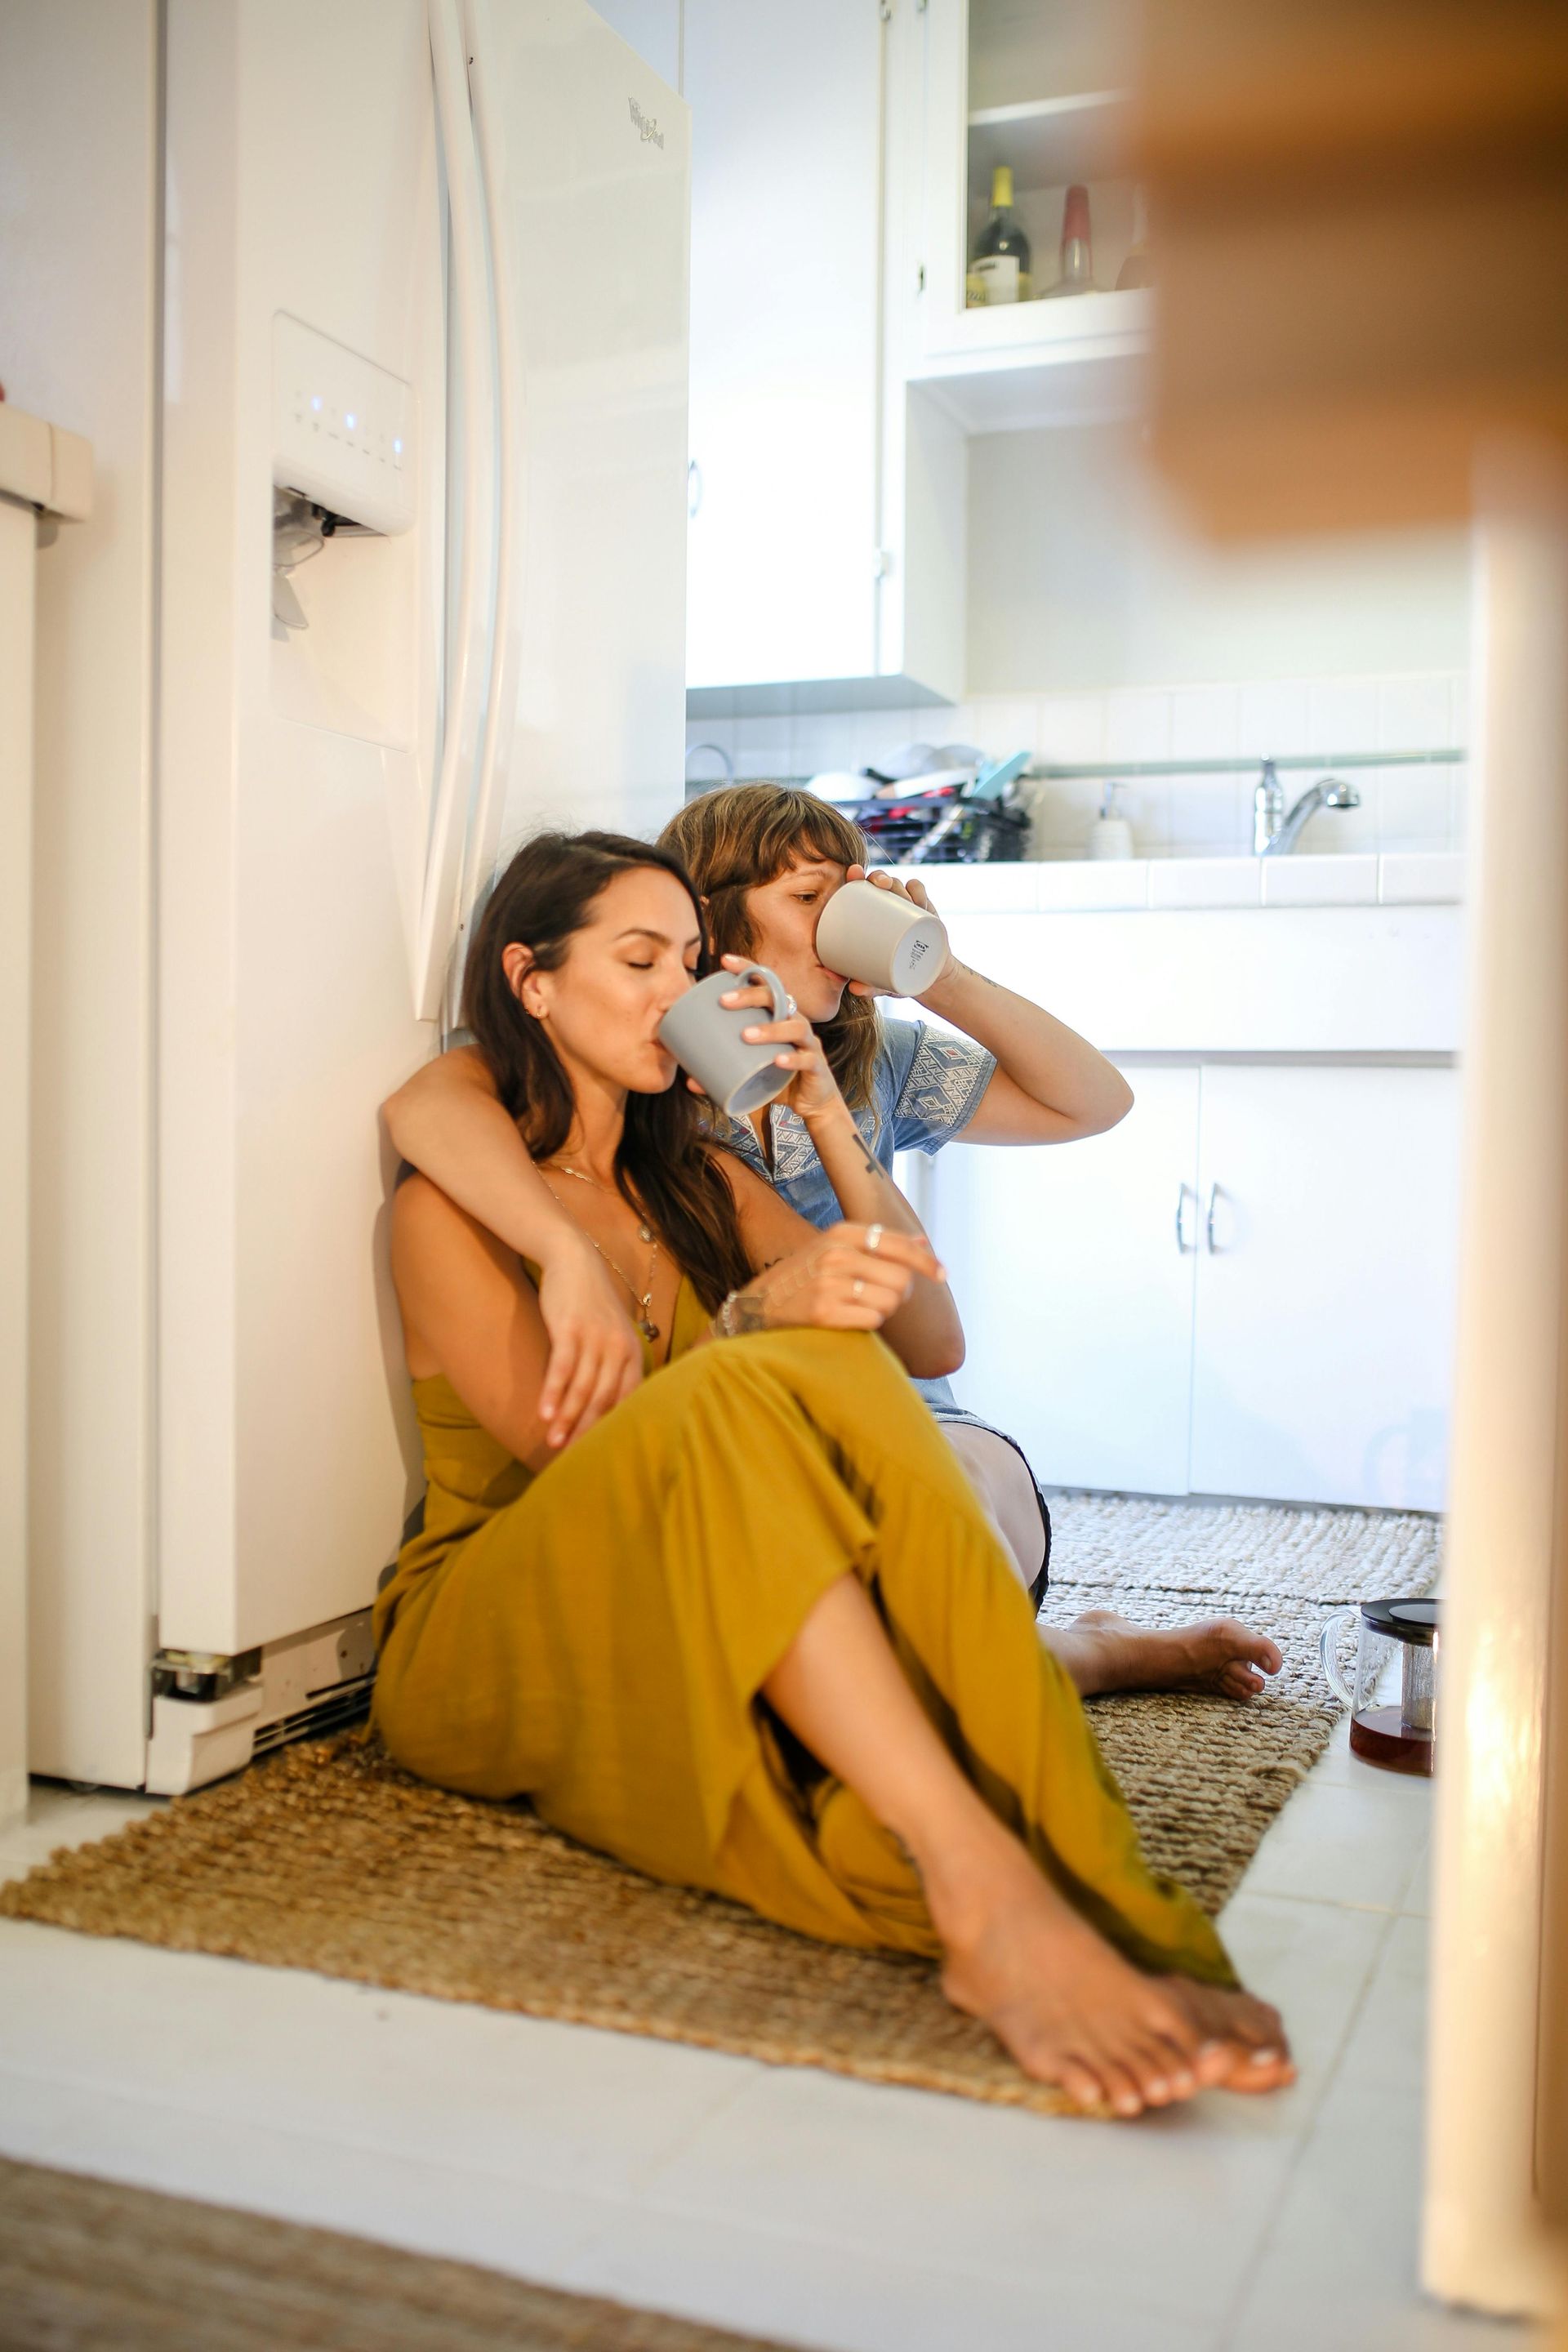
(1076,261)
(1135,271)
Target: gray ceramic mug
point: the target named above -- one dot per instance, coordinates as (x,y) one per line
(705,1038)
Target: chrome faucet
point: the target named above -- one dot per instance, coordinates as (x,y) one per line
(1275,833)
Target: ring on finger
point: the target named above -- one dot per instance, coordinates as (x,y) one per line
(874,1238)
(857,1287)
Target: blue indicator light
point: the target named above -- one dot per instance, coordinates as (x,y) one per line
(349,421)
(397,446)
(315,400)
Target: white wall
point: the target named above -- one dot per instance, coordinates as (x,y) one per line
(653,28)
(1082,573)
(1101,629)
(1405,805)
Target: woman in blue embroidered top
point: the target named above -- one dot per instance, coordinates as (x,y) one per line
(765,858)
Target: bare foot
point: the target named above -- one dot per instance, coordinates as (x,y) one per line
(1104,1652)
(1067,2008)
(1252,2031)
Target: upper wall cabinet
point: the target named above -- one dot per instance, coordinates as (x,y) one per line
(842,163)
(1036,92)
(826,555)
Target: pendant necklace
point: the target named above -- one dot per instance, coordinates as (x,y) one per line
(643,1299)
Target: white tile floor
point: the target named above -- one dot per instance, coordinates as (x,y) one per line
(796,2205)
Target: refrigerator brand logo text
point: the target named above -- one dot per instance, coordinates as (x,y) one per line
(647,127)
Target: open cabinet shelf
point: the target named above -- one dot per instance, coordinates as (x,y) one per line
(1033,364)
(1050,142)
(1040,362)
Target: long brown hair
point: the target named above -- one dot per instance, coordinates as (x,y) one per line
(730,841)
(666,1167)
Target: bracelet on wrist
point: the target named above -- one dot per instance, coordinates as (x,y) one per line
(740,1313)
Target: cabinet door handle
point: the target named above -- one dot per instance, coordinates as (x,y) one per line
(1208,1219)
(1184,1193)
(693,490)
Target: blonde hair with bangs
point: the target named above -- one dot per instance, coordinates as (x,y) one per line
(730,841)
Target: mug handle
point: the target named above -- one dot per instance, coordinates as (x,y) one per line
(1329,1650)
(758,974)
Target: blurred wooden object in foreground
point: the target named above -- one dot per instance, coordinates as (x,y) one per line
(1360,213)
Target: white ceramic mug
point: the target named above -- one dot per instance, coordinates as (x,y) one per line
(705,1038)
(883,938)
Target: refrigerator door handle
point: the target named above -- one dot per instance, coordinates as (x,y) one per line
(439,901)
(500,697)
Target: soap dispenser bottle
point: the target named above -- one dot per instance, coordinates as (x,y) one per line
(1111,836)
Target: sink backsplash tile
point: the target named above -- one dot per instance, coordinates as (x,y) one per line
(1406,810)
(1205,723)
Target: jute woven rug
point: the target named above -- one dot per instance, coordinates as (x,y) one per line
(85,2264)
(330,1858)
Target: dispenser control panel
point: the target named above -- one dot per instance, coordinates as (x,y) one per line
(343,430)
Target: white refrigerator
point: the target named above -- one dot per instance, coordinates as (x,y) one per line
(375,313)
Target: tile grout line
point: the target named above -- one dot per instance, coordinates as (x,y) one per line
(604,2210)
(740,2089)
(813,2236)
(577,2274)
(1321,1902)
(164,2103)
(1226,2339)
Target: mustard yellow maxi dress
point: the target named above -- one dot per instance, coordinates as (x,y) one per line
(596,1638)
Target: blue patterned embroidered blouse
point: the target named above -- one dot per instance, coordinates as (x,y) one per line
(927,1087)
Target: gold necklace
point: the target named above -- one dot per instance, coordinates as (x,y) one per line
(644,1320)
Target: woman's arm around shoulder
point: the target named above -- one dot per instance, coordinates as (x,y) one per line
(471,1312)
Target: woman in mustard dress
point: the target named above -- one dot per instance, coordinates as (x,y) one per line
(754,1632)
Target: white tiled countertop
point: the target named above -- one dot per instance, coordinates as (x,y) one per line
(1118,886)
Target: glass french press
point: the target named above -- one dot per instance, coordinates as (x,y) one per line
(1393,1698)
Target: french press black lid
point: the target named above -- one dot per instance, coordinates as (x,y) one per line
(1403,1620)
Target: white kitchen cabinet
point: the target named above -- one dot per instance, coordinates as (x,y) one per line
(826,555)
(1285,1332)
(1075,1290)
(1322,1340)
(1039,89)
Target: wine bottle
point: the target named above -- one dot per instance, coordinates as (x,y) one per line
(1135,269)
(999,271)
(1078,269)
